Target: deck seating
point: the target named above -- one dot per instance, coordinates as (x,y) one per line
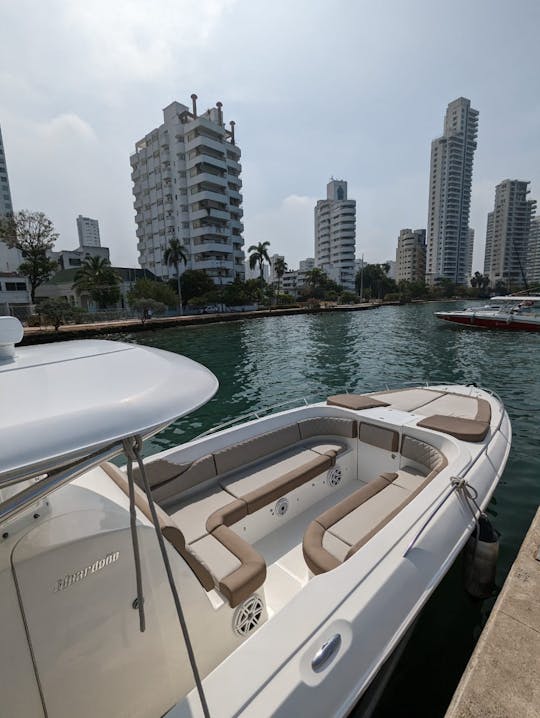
(338,533)
(203,499)
(200,502)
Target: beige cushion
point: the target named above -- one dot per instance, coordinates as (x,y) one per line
(214,556)
(328,448)
(378,436)
(191,516)
(248,480)
(272,490)
(369,514)
(318,558)
(410,478)
(464,429)
(465,407)
(356,402)
(327,426)
(407,399)
(255,449)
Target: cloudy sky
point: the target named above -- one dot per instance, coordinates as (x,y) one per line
(348,88)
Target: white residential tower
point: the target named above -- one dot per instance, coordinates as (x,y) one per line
(335,234)
(186,182)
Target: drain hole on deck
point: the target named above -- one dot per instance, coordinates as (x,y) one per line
(334,476)
(281,506)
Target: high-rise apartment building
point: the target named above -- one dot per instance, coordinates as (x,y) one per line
(470,251)
(88,230)
(507,233)
(186,182)
(335,234)
(9,258)
(411,255)
(533,254)
(448,239)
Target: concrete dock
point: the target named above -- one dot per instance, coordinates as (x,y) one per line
(41,335)
(502,678)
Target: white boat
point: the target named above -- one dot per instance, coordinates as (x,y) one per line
(280,561)
(521,313)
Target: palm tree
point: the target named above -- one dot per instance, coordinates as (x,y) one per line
(315,277)
(98,278)
(259,255)
(175,254)
(280,267)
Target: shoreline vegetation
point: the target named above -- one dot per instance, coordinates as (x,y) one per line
(41,335)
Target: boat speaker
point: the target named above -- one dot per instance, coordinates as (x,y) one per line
(334,476)
(248,616)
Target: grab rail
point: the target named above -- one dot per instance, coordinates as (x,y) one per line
(256,414)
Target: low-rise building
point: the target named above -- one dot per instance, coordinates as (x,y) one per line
(60,286)
(14,293)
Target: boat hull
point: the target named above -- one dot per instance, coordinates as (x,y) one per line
(489,322)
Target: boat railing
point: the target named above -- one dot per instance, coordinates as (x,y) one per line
(253,415)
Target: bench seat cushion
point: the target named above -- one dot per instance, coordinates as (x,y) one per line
(366,517)
(356,402)
(193,513)
(464,429)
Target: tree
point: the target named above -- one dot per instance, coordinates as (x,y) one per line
(280,267)
(98,278)
(58,312)
(195,283)
(32,233)
(151,289)
(377,283)
(258,256)
(315,277)
(176,254)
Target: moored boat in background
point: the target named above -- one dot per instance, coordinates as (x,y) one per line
(520,313)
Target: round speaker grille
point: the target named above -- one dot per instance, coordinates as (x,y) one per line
(248,616)
(334,476)
(281,506)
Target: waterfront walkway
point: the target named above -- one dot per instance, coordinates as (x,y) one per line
(502,678)
(40,335)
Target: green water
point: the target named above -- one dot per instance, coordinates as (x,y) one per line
(268,361)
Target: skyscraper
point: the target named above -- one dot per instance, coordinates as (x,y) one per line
(9,258)
(507,233)
(88,230)
(448,239)
(186,182)
(335,234)
(533,254)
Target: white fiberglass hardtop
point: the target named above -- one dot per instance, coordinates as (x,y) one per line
(65,400)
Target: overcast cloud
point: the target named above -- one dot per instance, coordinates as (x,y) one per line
(356,90)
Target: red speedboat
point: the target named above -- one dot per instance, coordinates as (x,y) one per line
(521,313)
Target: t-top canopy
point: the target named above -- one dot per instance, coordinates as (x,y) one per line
(60,402)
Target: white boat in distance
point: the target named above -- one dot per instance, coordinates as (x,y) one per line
(268,569)
(517,313)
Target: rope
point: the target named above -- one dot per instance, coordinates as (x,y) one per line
(135,450)
(134,537)
(470,494)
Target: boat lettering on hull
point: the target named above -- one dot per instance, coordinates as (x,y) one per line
(71,578)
